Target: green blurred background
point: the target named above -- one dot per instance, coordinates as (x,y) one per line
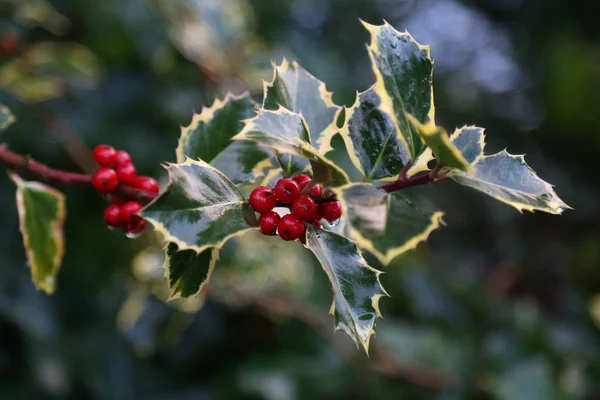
(497,305)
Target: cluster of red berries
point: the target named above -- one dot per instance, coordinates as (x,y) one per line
(116,167)
(290,193)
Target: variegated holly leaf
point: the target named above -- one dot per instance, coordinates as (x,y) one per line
(297,90)
(208,137)
(371,139)
(443,149)
(286,132)
(356,286)
(188,271)
(385,224)
(469,140)
(403,80)
(509,179)
(200,207)
(6,117)
(292,165)
(42,214)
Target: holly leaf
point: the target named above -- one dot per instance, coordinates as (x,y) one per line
(287,132)
(509,179)
(371,139)
(356,286)
(385,224)
(6,117)
(200,207)
(403,81)
(470,141)
(292,165)
(295,89)
(443,149)
(188,271)
(208,137)
(41,217)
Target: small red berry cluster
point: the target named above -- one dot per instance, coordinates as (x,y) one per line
(116,167)
(304,207)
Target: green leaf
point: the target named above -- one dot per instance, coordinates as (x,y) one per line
(528,380)
(6,117)
(200,208)
(187,271)
(403,80)
(41,214)
(440,144)
(509,179)
(286,132)
(385,224)
(371,139)
(208,137)
(356,286)
(470,141)
(297,90)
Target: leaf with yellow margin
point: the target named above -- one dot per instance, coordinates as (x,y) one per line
(286,132)
(403,81)
(208,138)
(356,285)
(6,117)
(200,208)
(509,179)
(385,224)
(371,139)
(42,213)
(187,271)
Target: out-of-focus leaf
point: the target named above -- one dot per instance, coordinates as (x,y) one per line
(444,151)
(403,71)
(531,380)
(286,132)
(42,214)
(509,179)
(385,224)
(297,90)
(6,117)
(200,208)
(188,271)
(32,13)
(356,285)
(45,70)
(371,139)
(208,137)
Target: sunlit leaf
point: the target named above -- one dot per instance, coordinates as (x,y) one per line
(509,179)
(200,208)
(208,137)
(470,141)
(356,286)
(371,139)
(286,132)
(403,81)
(385,224)
(42,214)
(188,271)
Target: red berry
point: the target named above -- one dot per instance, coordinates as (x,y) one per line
(304,208)
(112,215)
(268,223)
(105,156)
(126,174)
(330,210)
(122,158)
(117,200)
(316,190)
(287,190)
(9,44)
(147,184)
(129,210)
(135,228)
(104,180)
(262,199)
(290,227)
(302,180)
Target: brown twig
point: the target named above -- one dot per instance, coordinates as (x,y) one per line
(25,163)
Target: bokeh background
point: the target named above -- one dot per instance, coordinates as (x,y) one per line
(497,305)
